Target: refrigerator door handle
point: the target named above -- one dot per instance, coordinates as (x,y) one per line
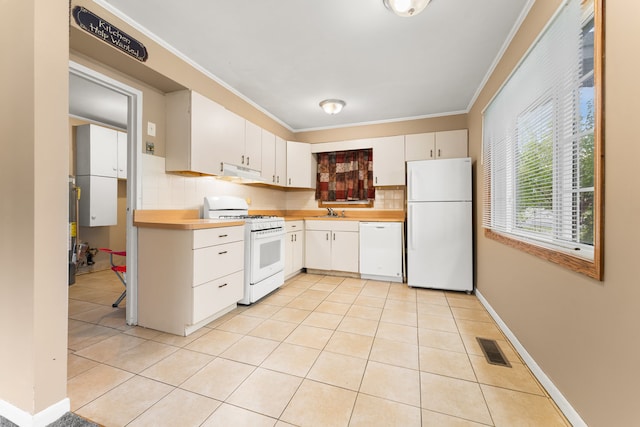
(411,229)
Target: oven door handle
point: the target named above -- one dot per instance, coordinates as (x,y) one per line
(266,234)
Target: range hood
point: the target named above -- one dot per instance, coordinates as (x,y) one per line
(240,174)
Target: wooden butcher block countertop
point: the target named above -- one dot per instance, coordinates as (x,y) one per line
(364,216)
(188,219)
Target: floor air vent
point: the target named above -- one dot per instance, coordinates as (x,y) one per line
(492,352)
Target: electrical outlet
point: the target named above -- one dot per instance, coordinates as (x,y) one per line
(151,129)
(150,147)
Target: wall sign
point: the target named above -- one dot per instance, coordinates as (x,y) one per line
(103,30)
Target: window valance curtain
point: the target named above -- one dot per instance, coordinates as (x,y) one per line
(345,176)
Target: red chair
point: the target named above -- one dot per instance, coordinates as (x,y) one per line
(120,270)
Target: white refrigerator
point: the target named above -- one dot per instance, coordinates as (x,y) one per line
(439,226)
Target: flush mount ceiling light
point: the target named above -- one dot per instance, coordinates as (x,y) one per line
(332,106)
(406,7)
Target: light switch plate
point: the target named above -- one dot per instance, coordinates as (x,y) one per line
(151,129)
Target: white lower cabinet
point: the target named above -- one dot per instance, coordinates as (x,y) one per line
(332,245)
(216,295)
(98,200)
(187,278)
(294,250)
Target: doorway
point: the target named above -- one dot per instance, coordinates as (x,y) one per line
(134,182)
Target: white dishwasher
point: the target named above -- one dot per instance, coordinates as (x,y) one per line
(381,251)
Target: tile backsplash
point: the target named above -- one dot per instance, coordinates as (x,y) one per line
(161,190)
(168,191)
(386,199)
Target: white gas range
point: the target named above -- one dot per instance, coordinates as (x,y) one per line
(264,245)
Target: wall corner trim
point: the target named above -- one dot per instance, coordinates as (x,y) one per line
(41,419)
(563,404)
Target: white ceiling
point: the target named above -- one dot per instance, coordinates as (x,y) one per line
(285,56)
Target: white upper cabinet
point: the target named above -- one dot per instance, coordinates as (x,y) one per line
(388,160)
(189,137)
(419,146)
(281,162)
(274,159)
(122,155)
(268,161)
(252,157)
(96,151)
(301,165)
(101,158)
(451,144)
(201,134)
(229,138)
(436,145)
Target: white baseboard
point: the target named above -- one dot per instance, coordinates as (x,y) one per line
(41,419)
(562,403)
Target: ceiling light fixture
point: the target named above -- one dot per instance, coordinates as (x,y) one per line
(406,8)
(332,106)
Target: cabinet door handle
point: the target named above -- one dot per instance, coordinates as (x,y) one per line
(438,152)
(431,154)
(223,235)
(376,179)
(242,161)
(289,181)
(222,253)
(292,237)
(278,180)
(295,237)
(247,160)
(273,179)
(327,236)
(221,167)
(223,285)
(334,237)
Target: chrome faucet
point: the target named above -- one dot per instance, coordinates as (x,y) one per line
(330,212)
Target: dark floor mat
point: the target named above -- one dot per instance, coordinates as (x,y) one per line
(67,420)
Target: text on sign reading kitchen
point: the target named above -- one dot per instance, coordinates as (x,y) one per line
(102,29)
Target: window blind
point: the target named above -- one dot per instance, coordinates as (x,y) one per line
(538,139)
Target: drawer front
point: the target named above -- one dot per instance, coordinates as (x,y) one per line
(217,261)
(217,236)
(314,224)
(213,296)
(293,226)
(337,225)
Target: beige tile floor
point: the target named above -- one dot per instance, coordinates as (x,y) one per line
(320,351)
